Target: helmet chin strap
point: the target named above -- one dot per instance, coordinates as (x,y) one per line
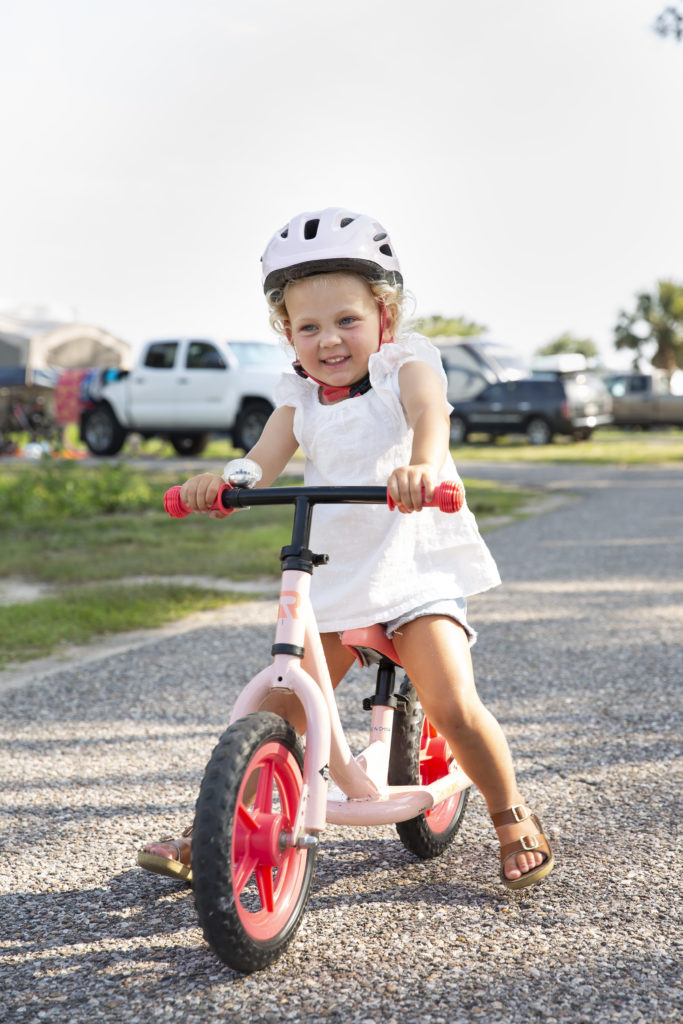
(331,393)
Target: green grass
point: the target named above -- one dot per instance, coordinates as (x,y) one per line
(78,614)
(85,530)
(606,447)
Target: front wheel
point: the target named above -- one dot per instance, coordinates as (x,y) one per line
(458,430)
(419,755)
(101,431)
(251,887)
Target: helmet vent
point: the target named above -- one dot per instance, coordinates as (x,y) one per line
(345,221)
(386,249)
(284,233)
(311,228)
(380,237)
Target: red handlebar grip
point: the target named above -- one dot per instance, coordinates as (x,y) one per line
(448,496)
(173,505)
(177,509)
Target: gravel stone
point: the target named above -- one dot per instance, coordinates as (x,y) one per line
(580,656)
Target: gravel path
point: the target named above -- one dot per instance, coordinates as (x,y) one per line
(580,656)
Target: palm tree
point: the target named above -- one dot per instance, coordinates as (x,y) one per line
(657,318)
(670,22)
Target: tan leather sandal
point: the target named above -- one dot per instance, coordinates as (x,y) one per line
(534,841)
(177,865)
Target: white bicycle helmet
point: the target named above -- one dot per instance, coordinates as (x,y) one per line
(329,240)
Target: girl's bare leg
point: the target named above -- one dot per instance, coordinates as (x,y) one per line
(435,653)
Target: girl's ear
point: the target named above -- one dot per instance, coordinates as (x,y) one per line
(288,330)
(387,317)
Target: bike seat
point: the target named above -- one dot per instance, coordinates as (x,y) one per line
(370,644)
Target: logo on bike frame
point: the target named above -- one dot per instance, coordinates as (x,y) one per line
(289,605)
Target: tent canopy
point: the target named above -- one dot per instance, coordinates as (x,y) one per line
(64,347)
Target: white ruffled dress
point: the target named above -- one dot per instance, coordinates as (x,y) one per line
(382,564)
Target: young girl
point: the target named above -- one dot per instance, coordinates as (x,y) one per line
(368,407)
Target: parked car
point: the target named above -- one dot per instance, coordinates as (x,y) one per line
(471,363)
(539,407)
(644,400)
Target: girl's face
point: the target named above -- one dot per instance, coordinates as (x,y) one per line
(334,321)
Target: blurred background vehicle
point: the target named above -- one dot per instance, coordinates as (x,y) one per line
(182,389)
(644,400)
(539,407)
(471,363)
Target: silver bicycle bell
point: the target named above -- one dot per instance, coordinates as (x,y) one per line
(242,473)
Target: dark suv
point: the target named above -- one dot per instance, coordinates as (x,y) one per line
(539,406)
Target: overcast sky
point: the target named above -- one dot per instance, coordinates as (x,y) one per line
(525,155)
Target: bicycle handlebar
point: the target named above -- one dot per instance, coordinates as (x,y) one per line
(448,496)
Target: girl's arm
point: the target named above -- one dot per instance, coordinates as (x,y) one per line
(272,452)
(427,413)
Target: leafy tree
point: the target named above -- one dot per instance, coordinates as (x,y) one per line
(657,319)
(670,22)
(437,326)
(569,343)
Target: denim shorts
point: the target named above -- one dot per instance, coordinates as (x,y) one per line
(453,607)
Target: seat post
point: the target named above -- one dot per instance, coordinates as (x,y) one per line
(384,687)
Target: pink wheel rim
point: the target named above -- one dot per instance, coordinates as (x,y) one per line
(267,878)
(435,762)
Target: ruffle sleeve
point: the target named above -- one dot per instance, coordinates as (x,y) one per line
(385,364)
(291,389)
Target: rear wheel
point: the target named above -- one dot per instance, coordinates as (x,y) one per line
(419,755)
(102,432)
(539,431)
(251,888)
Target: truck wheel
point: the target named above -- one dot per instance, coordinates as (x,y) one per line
(250,423)
(189,444)
(458,430)
(101,431)
(538,431)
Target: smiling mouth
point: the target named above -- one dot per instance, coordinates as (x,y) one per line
(335,360)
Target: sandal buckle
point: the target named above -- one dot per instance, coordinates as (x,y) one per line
(528,842)
(519,813)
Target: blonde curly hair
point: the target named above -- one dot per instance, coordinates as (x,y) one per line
(391,296)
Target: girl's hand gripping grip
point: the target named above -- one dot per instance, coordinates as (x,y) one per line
(177,509)
(448,496)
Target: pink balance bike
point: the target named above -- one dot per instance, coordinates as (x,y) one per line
(263,802)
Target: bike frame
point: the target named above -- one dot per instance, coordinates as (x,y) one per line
(365,798)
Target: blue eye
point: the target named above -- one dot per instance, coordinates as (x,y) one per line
(346,320)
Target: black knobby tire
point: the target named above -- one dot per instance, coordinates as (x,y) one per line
(101,431)
(250,893)
(429,834)
(250,423)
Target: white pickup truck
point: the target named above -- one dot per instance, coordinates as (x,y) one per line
(184,389)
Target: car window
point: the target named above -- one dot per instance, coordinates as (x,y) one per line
(509,363)
(464,378)
(585,386)
(259,353)
(161,355)
(202,355)
(495,393)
